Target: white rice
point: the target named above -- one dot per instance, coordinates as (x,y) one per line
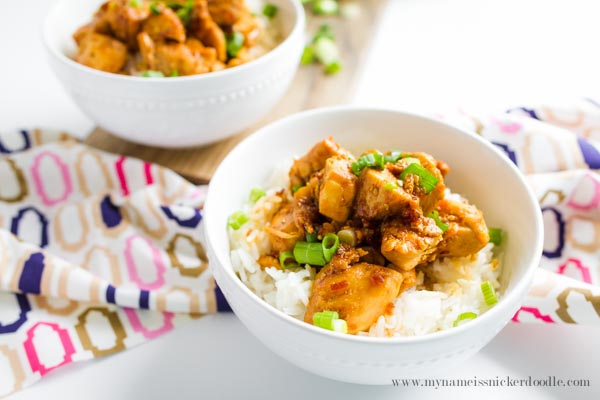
(417,311)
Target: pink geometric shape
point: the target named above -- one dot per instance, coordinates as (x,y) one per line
(121,175)
(39,184)
(535,312)
(583,270)
(507,126)
(148,173)
(593,203)
(31,352)
(137,325)
(156,259)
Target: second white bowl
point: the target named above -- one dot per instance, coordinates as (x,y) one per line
(174,112)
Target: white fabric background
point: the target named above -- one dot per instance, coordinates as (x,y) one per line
(429,55)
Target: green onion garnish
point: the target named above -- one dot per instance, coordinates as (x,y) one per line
(330,244)
(311,237)
(330,320)
(371,160)
(296,188)
(393,157)
(325,7)
(324,319)
(308,56)
(489,294)
(324,31)
(154,8)
(435,215)
(348,236)
(270,10)
(464,317)
(326,51)
(256,194)
(309,253)
(495,236)
(333,68)
(287,260)
(184,12)
(390,186)
(428,181)
(235,41)
(153,74)
(237,219)
(412,160)
(135,3)
(174,73)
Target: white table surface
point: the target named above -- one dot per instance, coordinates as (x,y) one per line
(428,55)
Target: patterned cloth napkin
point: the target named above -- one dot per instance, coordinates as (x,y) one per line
(100,252)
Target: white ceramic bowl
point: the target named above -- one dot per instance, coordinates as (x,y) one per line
(174,112)
(478,171)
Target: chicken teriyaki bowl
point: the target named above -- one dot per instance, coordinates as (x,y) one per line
(372,244)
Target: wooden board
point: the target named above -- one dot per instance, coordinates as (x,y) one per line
(310,88)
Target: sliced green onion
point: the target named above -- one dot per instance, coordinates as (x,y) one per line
(393,157)
(371,160)
(174,73)
(466,316)
(340,325)
(333,68)
(135,3)
(390,186)
(428,181)
(324,31)
(237,219)
(412,160)
(311,237)
(495,235)
(326,51)
(330,244)
(154,8)
(489,294)
(308,56)
(184,12)
(235,41)
(256,194)
(287,260)
(153,74)
(348,236)
(309,253)
(297,187)
(270,10)
(325,7)
(435,215)
(324,319)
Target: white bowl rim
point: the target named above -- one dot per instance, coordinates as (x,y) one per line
(444,334)
(297,29)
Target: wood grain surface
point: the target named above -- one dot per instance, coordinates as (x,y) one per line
(310,88)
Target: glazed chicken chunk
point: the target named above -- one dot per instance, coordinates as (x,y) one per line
(408,245)
(467,231)
(313,161)
(101,52)
(360,293)
(338,189)
(375,200)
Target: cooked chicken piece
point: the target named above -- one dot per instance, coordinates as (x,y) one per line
(124,19)
(283,231)
(407,246)
(101,52)
(227,12)
(268,261)
(169,57)
(204,28)
(165,25)
(207,54)
(409,279)
(372,256)
(338,189)
(376,200)
(313,161)
(360,293)
(305,207)
(467,232)
(242,57)
(247,26)
(412,185)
